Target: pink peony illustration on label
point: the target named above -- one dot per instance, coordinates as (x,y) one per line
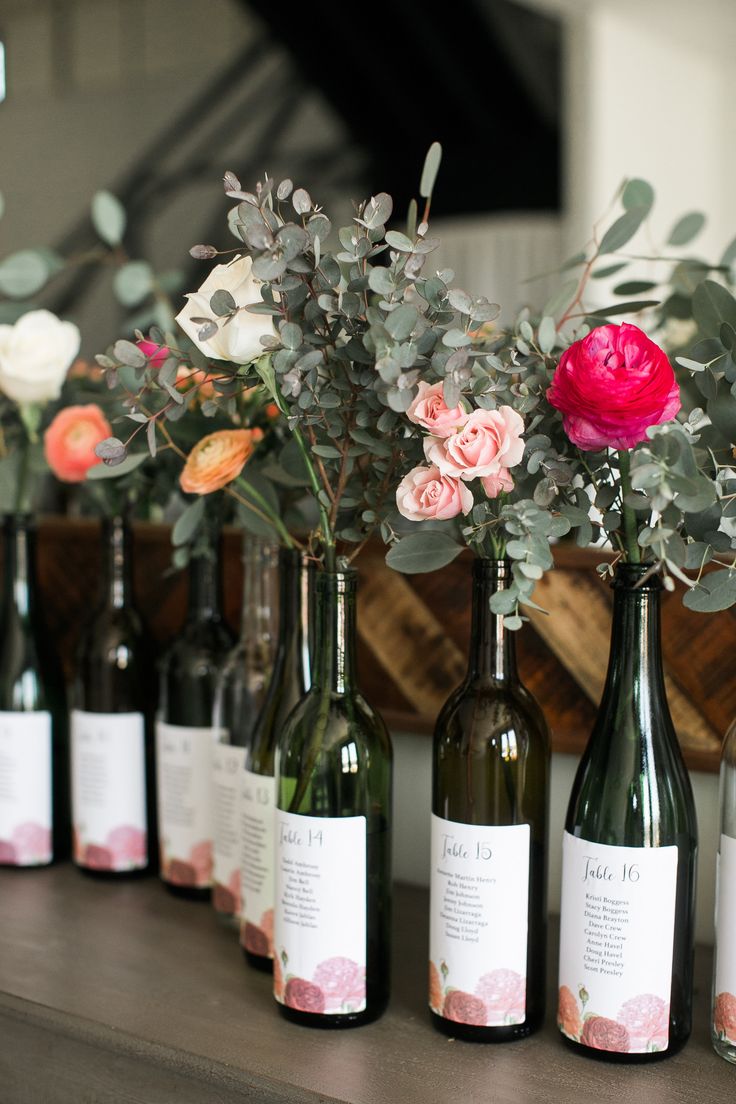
(124,848)
(258,938)
(641,1025)
(304,996)
(194,872)
(499,998)
(724,1017)
(29,845)
(343,983)
(226,898)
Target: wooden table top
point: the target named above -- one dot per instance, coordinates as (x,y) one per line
(123,993)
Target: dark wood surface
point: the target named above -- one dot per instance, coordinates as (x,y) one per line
(122,994)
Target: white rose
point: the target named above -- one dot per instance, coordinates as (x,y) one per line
(35,355)
(240,339)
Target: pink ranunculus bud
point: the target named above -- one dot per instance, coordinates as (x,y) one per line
(430,410)
(424,494)
(494,485)
(611,386)
(489,442)
(156,354)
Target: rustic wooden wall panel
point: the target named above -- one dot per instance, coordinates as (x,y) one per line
(414,633)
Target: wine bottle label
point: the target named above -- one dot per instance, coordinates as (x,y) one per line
(724,990)
(257,833)
(616,943)
(25,789)
(109,790)
(479,916)
(227,770)
(320,930)
(184,762)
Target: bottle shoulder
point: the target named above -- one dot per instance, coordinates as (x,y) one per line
(484,706)
(349,719)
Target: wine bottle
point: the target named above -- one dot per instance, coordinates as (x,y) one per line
(113,789)
(241,690)
(723,1020)
(185,734)
(290,680)
(489,830)
(34,748)
(333,840)
(629,854)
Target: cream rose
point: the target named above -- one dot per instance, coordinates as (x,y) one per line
(35,356)
(430,410)
(489,442)
(239,340)
(424,493)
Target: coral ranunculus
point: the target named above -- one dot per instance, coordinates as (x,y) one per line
(568,1013)
(70,440)
(611,386)
(425,494)
(218,459)
(724,1016)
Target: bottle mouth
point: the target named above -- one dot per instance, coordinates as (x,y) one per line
(636,578)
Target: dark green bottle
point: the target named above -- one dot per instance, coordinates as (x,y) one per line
(112,747)
(629,854)
(290,680)
(185,735)
(490,787)
(34,747)
(333,838)
(241,691)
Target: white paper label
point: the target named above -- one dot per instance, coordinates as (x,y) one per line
(616,941)
(257,833)
(184,762)
(479,915)
(227,776)
(109,790)
(724,1004)
(320,931)
(25,789)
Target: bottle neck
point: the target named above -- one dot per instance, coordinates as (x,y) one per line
(118,584)
(291,624)
(635,661)
(335,631)
(492,645)
(256,626)
(205,586)
(19,538)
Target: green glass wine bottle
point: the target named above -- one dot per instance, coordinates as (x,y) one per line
(113,787)
(290,680)
(490,788)
(34,748)
(239,696)
(333,838)
(629,855)
(185,734)
(723,1018)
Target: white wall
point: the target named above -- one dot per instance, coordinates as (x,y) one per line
(412,805)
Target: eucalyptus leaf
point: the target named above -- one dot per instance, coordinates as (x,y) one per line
(188,522)
(133,282)
(431,168)
(23,273)
(622,230)
(108,217)
(420,552)
(716,591)
(686,228)
(130,464)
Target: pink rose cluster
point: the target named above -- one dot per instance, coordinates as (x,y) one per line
(611,386)
(461,446)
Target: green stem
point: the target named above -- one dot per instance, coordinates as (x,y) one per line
(629,516)
(22,487)
(264,511)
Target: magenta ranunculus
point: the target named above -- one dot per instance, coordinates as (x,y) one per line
(489,443)
(611,386)
(424,494)
(157,354)
(430,410)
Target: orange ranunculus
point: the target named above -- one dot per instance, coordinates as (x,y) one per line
(196,381)
(70,440)
(218,459)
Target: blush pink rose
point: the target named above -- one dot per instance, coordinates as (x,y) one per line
(494,485)
(603,1034)
(430,410)
(156,354)
(464,1008)
(489,443)
(69,442)
(611,386)
(648,1021)
(426,494)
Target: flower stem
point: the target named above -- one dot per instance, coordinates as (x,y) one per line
(633,553)
(264,510)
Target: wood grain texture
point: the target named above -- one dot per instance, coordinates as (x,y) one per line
(122,994)
(414,633)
